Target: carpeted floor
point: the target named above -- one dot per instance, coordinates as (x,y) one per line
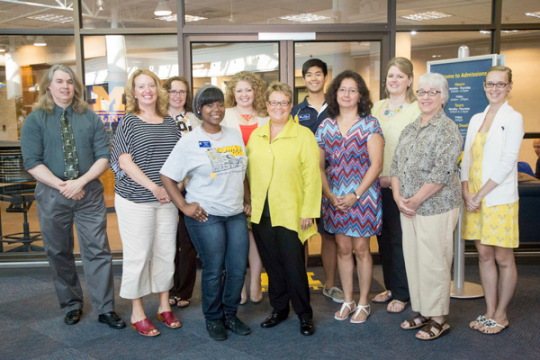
(31,327)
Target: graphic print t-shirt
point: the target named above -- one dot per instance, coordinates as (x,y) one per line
(216,170)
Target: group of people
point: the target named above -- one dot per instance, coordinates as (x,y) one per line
(184,187)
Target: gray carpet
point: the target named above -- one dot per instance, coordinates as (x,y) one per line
(31,327)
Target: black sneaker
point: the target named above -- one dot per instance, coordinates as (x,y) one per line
(216,330)
(237,326)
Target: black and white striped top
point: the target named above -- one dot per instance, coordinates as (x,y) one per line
(149,146)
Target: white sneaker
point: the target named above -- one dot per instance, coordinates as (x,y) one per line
(335,294)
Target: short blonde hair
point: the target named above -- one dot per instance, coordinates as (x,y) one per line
(405,66)
(132,104)
(46,101)
(277,86)
(258,85)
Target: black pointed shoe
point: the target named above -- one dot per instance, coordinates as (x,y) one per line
(237,326)
(306,326)
(73,317)
(112,319)
(273,319)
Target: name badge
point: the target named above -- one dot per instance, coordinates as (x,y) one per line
(204,144)
(303,117)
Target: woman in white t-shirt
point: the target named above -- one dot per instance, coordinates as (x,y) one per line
(213,157)
(245,101)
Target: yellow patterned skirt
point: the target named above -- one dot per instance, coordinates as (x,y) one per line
(495,225)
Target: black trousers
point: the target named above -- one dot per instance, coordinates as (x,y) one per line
(185,263)
(283,257)
(391,249)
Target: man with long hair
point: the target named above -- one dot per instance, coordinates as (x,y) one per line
(66,148)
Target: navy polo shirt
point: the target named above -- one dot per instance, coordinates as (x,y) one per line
(307,115)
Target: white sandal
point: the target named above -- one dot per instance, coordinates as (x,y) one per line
(358,309)
(346,305)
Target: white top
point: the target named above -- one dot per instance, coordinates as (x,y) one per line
(231,119)
(216,170)
(501,153)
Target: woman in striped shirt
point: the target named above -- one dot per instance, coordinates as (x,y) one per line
(147,219)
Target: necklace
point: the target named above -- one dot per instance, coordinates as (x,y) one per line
(211,138)
(391,113)
(247,117)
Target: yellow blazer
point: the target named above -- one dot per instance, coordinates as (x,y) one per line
(288,171)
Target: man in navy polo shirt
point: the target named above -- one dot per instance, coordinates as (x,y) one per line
(310,113)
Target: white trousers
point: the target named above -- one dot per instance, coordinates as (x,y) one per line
(428,252)
(148,232)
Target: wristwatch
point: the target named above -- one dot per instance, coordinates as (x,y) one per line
(355,194)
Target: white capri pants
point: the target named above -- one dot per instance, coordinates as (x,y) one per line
(148,232)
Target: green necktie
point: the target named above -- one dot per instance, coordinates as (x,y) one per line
(71,169)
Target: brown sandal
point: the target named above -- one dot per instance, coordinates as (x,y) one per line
(413,324)
(430,325)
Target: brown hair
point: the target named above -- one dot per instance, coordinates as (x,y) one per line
(189,98)
(405,66)
(505,69)
(277,86)
(364,103)
(258,85)
(46,102)
(132,104)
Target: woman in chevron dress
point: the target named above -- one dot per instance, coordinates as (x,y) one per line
(351,141)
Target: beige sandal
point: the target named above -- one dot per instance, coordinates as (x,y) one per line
(351,310)
(360,308)
(396,302)
(387,294)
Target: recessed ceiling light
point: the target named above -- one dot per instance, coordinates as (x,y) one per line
(430,15)
(2,49)
(534,14)
(304,17)
(189,18)
(413,32)
(510,31)
(485,32)
(52,18)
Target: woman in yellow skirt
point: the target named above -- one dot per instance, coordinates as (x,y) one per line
(489,182)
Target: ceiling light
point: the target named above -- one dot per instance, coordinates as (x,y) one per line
(510,31)
(52,18)
(534,14)
(430,15)
(162,9)
(413,32)
(189,18)
(304,17)
(40,41)
(485,32)
(2,50)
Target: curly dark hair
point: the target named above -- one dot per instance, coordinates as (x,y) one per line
(364,104)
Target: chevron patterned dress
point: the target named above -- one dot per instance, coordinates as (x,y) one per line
(348,160)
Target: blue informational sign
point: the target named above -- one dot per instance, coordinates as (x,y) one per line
(465,86)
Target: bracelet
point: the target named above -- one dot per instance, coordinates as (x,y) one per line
(355,194)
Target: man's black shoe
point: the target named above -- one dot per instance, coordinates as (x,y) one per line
(237,326)
(73,317)
(112,319)
(216,330)
(273,320)
(306,325)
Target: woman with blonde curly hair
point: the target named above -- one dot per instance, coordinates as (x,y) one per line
(246,111)
(147,219)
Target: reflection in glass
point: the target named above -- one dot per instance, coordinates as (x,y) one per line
(519,11)
(216,63)
(420,12)
(292,12)
(364,57)
(36,14)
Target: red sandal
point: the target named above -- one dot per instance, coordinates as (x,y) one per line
(169,318)
(144,327)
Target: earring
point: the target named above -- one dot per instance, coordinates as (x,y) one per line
(408,86)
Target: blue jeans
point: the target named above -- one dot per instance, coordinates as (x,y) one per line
(222,243)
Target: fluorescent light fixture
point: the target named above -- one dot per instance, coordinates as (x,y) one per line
(413,32)
(430,15)
(2,49)
(510,31)
(52,18)
(304,17)
(162,9)
(189,18)
(485,32)
(535,14)
(40,41)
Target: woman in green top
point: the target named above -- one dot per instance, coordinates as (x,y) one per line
(398,110)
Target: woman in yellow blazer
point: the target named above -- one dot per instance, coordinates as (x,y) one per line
(286,193)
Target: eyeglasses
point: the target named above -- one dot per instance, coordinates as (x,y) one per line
(351,91)
(500,85)
(174,92)
(276,103)
(430,93)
